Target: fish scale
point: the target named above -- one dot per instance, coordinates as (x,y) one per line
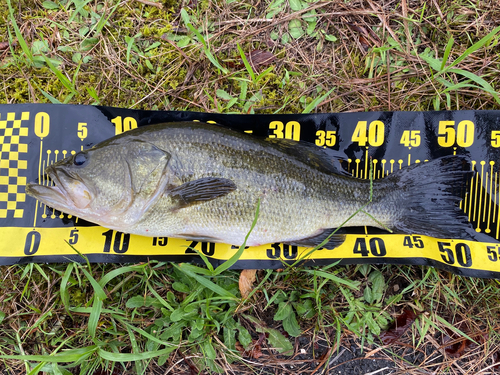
(295,198)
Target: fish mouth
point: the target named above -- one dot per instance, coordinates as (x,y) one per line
(68,193)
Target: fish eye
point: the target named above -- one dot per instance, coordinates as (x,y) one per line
(80,159)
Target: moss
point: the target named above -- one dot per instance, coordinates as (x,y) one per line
(170,68)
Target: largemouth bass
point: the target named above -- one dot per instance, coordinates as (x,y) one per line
(198,181)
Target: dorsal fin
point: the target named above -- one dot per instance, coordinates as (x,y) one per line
(312,155)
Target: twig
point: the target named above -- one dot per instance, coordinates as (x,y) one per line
(178,49)
(151,3)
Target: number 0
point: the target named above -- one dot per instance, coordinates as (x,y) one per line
(42,124)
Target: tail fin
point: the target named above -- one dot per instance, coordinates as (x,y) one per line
(431,192)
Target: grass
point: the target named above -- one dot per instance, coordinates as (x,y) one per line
(169,318)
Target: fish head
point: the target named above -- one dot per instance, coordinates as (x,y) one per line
(110,184)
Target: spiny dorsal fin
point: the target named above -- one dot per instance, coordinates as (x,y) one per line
(312,155)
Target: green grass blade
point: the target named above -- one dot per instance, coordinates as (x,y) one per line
(42,272)
(117,272)
(102,21)
(207,51)
(214,61)
(480,81)
(79,7)
(99,291)
(447,51)
(333,278)
(482,42)
(144,333)
(37,368)
(88,310)
(139,366)
(205,260)
(205,282)
(50,97)
(454,329)
(246,63)
(316,102)
(433,63)
(198,270)
(224,266)
(130,42)
(71,355)
(263,74)
(19,35)
(200,37)
(130,357)
(159,298)
(94,317)
(61,77)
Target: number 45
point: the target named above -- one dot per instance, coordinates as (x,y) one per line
(410,138)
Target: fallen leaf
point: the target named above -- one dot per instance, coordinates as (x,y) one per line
(247,278)
(398,327)
(258,58)
(457,349)
(256,350)
(367,38)
(239,347)
(364,43)
(5,45)
(455,345)
(459,344)
(496,361)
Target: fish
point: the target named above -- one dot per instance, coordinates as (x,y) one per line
(204,182)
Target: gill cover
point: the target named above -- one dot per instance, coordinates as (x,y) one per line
(148,174)
(146,163)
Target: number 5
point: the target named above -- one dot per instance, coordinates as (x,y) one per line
(495,138)
(82,130)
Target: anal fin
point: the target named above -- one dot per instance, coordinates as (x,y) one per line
(334,241)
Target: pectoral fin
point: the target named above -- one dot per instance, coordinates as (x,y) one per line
(201,190)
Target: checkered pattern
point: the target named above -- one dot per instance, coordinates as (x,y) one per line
(12,184)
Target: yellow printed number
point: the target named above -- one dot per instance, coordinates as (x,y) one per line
(42,124)
(82,130)
(463,135)
(495,138)
(375,133)
(290,130)
(328,138)
(123,125)
(410,138)
(461,254)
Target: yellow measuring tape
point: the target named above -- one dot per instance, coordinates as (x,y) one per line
(34,136)
(93,241)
